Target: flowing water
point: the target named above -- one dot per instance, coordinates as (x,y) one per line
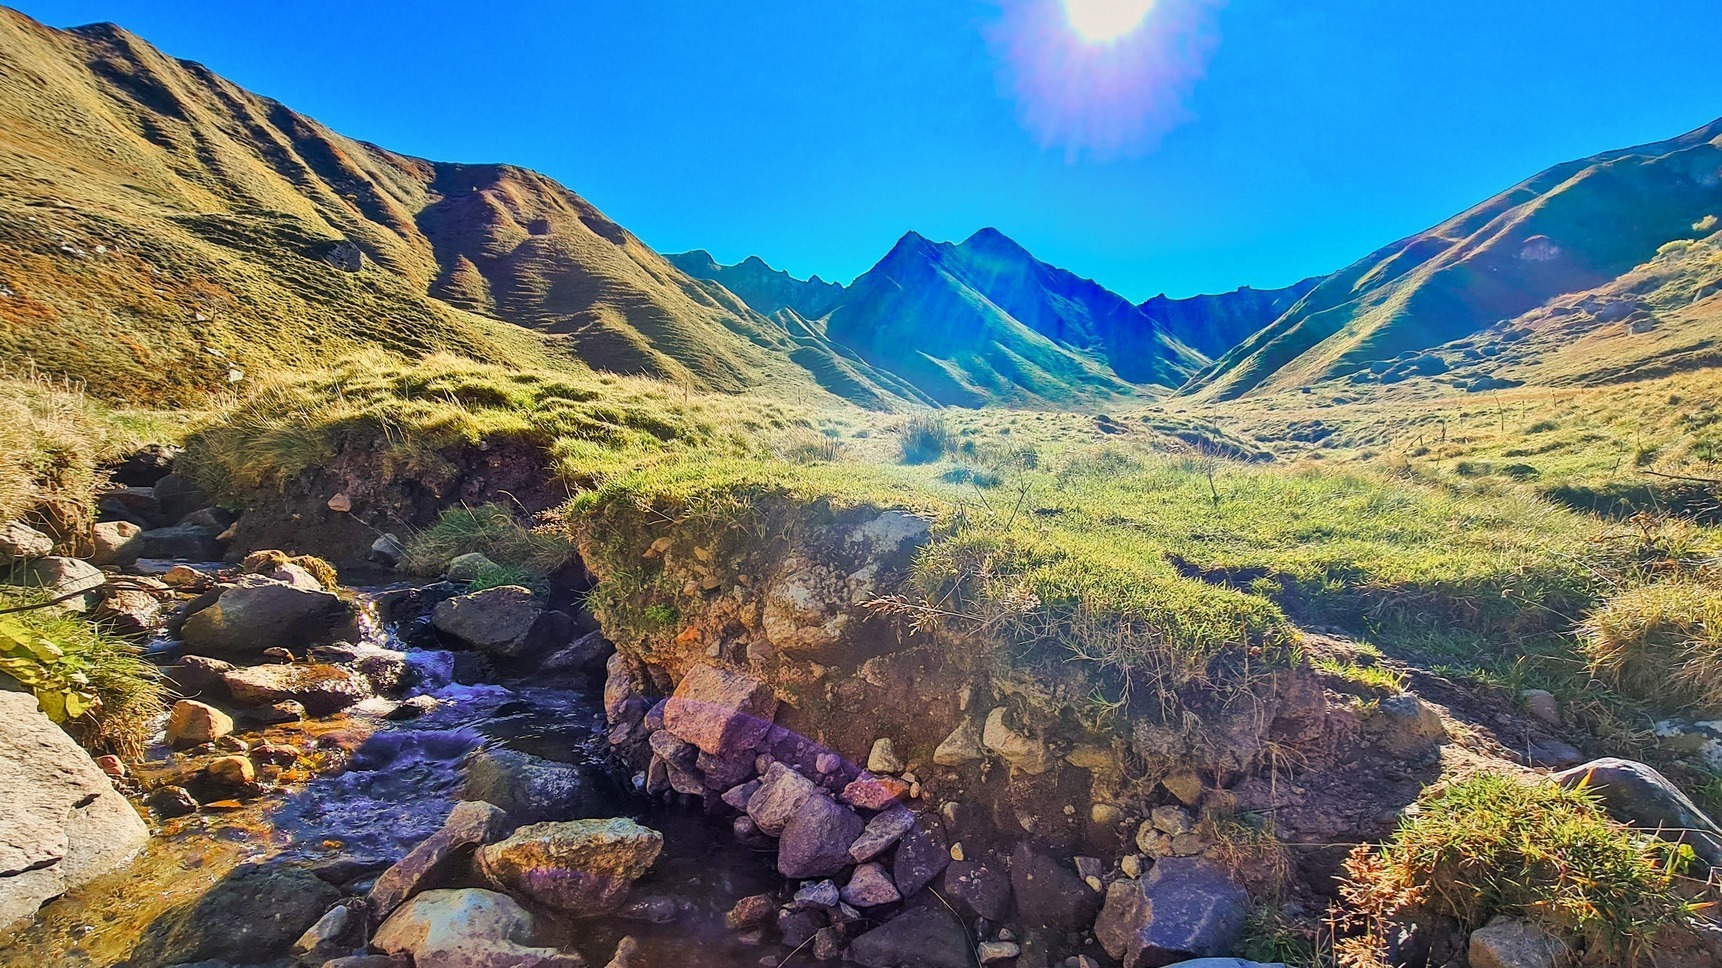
(379,788)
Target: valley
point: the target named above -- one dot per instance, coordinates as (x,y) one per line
(407,565)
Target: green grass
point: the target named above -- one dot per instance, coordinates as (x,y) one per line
(1496,845)
(492,530)
(1660,642)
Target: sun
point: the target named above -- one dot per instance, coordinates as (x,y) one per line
(1103,21)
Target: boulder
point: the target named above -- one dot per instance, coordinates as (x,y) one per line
(389,550)
(468,567)
(112,541)
(586,655)
(324,939)
(59,577)
(254,910)
(530,789)
(719,711)
(470,825)
(129,611)
(1636,794)
(468,928)
(192,723)
(20,543)
(921,938)
(961,747)
(178,496)
(922,855)
(247,619)
(506,621)
(977,890)
(321,689)
(582,867)
(61,821)
(870,886)
(181,542)
(1048,893)
(1516,943)
(1024,753)
(881,833)
(233,772)
(139,505)
(287,573)
(1406,725)
(781,793)
(1187,907)
(816,841)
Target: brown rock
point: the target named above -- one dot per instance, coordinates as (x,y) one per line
(192,723)
(581,867)
(875,792)
(233,771)
(720,712)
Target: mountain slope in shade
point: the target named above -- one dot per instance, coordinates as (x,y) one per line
(163,231)
(1213,324)
(764,289)
(1573,228)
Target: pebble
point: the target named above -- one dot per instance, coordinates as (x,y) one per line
(816,894)
(991,951)
(828,762)
(884,758)
(957,851)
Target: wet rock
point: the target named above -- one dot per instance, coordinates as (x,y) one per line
(581,867)
(780,796)
(274,754)
(1406,725)
(468,567)
(1048,894)
(585,655)
(1636,794)
(413,707)
(922,855)
(628,954)
(321,689)
(1024,753)
(870,886)
(506,621)
(171,801)
(751,911)
(191,723)
(798,927)
(884,758)
(61,821)
(528,788)
(978,890)
(881,833)
(653,908)
(815,842)
(720,712)
(1515,943)
(439,857)
(285,711)
(199,675)
(20,543)
(183,542)
(875,792)
(62,577)
(112,542)
(467,928)
(246,619)
(1185,908)
(921,938)
(231,771)
(256,908)
(961,747)
(370,961)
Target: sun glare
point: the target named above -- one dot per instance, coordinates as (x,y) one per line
(1103,21)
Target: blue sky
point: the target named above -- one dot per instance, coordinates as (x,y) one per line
(1287,138)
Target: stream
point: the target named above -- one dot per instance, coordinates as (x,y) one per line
(378,787)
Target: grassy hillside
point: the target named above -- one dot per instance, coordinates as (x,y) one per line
(1576,227)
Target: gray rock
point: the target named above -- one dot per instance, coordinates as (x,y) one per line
(1636,794)
(922,854)
(321,689)
(389,550)
(61,821)
(961,747)
(1187,907)
(1515,943)
(247,619)
(582,868)
(20,543)
(585,655)
(1024,753)
(506,621)
(178,496)
(1048,893)
(112,540)
(816,894)
(870,886)
(1406,725)
(129,611)
(439,857)
(921,938)
(323,939)
(59,577)
(181,542)
(977,890)
(528,788)
(880,833)
(257,908)
(719,711)
(815,842)
(781,793)
(884,758)
(467,928)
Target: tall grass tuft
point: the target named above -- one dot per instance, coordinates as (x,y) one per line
(1660,642)
(491,530)
(925,438)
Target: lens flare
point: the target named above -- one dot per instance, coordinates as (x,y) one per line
(1103,78)
(1103,21)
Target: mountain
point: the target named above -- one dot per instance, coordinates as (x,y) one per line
(764,289)
(1566,253)
(1213,324)
(164,232)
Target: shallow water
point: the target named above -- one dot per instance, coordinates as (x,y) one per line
(386,786)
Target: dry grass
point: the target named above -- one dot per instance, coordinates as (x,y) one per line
(1661,642)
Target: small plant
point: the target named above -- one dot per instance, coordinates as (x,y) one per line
(1494,845)
(496,576)
(98,687)
(259,562)
(491,530)
(925,438)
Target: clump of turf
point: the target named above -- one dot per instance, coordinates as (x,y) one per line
(259,562)
(1495,845)
(522,555)
(1661,641)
